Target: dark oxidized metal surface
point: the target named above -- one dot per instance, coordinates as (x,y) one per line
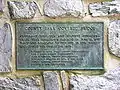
(59,45)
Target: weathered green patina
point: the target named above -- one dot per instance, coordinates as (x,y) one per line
(60,45)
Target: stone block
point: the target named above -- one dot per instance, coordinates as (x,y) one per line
(65,80)
(22,10)
(109,81)
(5,48)
(114,37)
(105,8)
(63,8)
(18,84)
(51,80)
(1,5)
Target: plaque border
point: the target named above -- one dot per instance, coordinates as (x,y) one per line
(31,68)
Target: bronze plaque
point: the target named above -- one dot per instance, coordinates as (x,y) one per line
(60,45)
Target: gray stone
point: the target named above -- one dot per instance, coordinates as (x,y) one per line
(51,80)
(65,80)
(18,84)
(5,48)
(56,8)
(109,81)
(104,8)
(115,0)
(22,10)
(114,37)
(1,5)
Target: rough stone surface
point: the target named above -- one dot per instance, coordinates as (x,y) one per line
(114,37)
(108,81)
(18,84)
(1,5)
(55,8)
(105,8)
(22,10)
(51,80)
(5,48)
(65,80)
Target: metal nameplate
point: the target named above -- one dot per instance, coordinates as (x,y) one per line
(59,45)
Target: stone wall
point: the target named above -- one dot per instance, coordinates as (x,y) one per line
(106,11)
